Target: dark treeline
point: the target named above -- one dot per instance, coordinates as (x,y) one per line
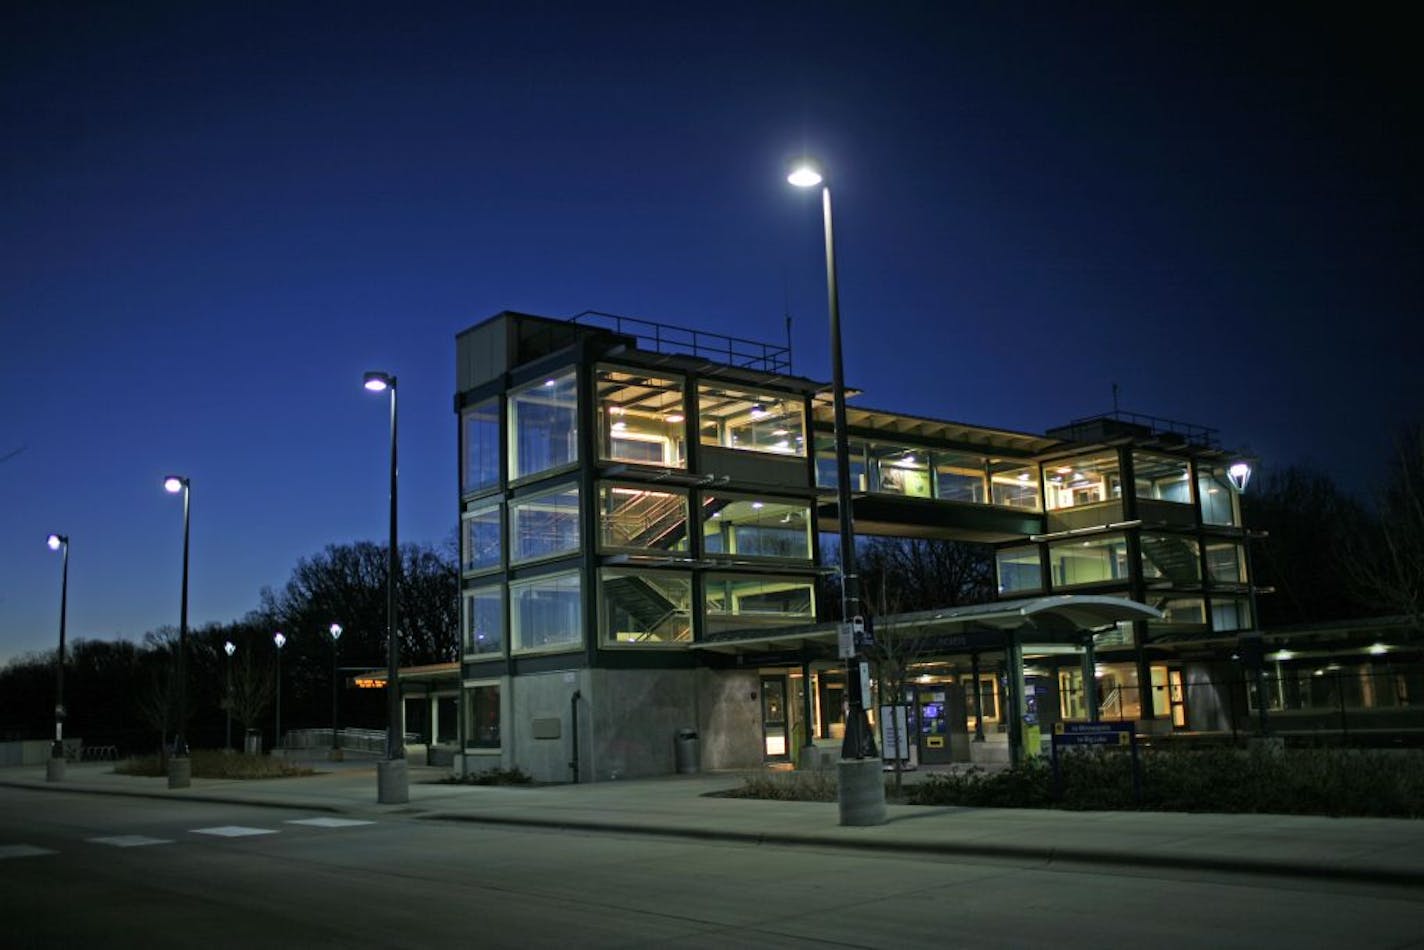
(121,693)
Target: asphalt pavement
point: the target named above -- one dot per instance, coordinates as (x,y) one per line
(1367,850)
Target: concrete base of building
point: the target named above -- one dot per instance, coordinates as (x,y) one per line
(180,771)
(861,791)
(337,755)
(392,782)
(54,769)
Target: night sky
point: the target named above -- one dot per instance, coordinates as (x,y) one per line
(214,218)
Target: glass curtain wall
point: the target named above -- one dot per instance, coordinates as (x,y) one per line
(641,418)
(753,527)
(543,426)
(546,613)
(645,608)
(544,525)
(479,460)
(751,420)
(484,620)
(1088,480)
(637,519)
(740,602)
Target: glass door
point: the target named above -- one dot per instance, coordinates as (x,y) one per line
(775,734)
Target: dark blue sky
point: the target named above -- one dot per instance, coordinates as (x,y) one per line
(215,217)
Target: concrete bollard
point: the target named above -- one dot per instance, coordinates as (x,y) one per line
(180,771)
(861,791)
(392,782)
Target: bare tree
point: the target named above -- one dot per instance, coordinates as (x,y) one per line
(1386,565)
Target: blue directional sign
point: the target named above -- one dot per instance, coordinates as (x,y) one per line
(1093,733)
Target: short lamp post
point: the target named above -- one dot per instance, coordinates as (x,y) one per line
(1239,474)
(180,767)
(54,769)
(335,631)
(862,797)
(229,648)
(280,639)
(392,775)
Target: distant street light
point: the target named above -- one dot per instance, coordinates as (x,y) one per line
(229,648)
(54,769)
(180,768)
(865,802)
(392,777)
(335,631)
(281,640)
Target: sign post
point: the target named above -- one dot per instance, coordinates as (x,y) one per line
(1100,735)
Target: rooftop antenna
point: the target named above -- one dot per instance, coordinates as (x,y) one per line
(786,310)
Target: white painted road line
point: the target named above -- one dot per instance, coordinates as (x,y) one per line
(23,851)
(129,841)
(234,831)
(329,822)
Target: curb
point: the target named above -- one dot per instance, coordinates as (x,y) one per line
(1048,855)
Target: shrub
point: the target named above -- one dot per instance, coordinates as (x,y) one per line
(494,776)
(209,763)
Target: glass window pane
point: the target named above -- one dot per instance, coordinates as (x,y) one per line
(1087,480)
(1179,615)
(543,424)
(646,608)
(756,527)
(740,602)
(1171,557)
(1230,613)
(633,518)
(959,477)
(1014,484)
(484,620)
(1019,569)
(641,418)
(479,465)
(751,421)
(826,463)
(482,728)
(1092,560)
(480,546)
(900,470)
(1218,498)
(1161,477)
(546,613)
(544,525)
(1225,562)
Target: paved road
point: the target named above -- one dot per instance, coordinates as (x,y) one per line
(107,871)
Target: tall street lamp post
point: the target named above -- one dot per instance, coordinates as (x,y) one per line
(180,767)
(280,639)
(862,794)
(392,777)
(1254,646)
(229,648)
(335,631)
(54,769)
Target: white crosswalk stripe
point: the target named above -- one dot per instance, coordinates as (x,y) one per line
(234,831)
(329,822)
(22,851)
(129,841)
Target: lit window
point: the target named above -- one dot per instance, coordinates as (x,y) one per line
(543,426)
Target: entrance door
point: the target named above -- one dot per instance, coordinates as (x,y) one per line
(776,741)
(1177,697)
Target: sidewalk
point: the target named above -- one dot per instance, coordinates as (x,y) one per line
(1369,850)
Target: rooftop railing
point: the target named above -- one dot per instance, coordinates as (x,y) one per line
(667,339)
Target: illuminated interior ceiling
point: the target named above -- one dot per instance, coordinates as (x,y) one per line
(977,438)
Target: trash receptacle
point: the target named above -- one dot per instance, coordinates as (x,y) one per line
(687,752)
(252,744)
